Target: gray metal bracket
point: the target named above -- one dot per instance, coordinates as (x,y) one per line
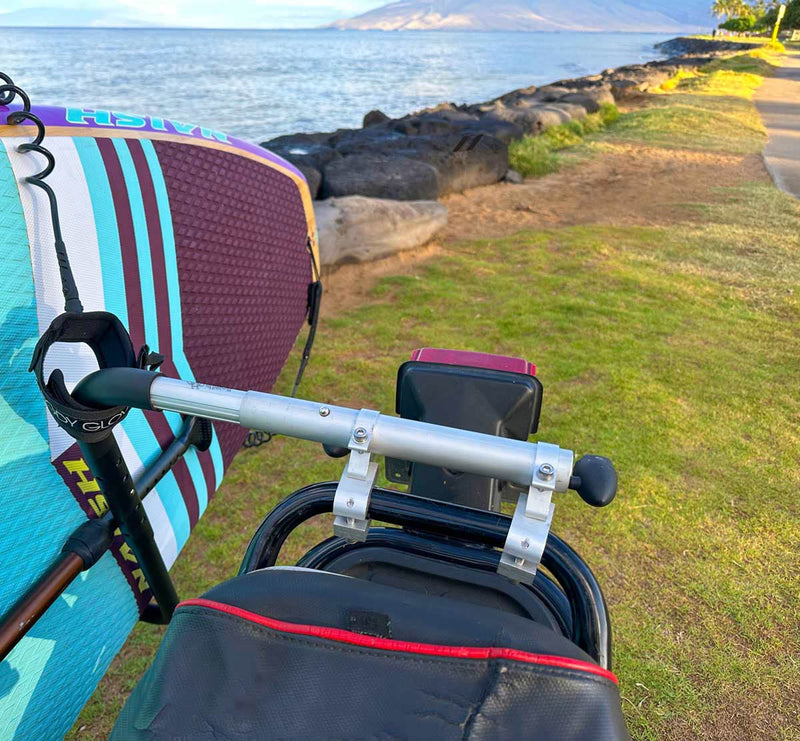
(351,502)
(530,526)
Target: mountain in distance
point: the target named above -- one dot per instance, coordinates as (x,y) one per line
(534,15)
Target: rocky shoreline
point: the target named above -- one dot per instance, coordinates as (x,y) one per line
(396,169)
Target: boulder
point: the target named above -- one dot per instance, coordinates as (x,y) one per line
(304,151)
(380,176)
(444,121)
(480,161)
(356,229)
(516,95)
(462,162)
(372,137)
(375,117)
(313,177)
(645,77)
(490,125)
(535,120)
(513,177)
(571,110)
(551,93)
(531,120)
(298,143)
(591,99)
(588,104)
(625,90)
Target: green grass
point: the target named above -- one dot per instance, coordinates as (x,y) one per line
(536,156)
(709,110)
(673,350)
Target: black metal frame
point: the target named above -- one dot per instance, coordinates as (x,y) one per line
(589,620)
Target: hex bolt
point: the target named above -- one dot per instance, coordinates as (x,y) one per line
(546,471)
(360,435)
(324,412)
(526,544)
(350,502)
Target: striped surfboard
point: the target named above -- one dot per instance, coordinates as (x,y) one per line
(200,244)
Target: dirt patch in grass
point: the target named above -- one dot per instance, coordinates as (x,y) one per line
(352,284)
(623,184)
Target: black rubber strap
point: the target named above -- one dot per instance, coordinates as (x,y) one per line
(314,303)
(111,345)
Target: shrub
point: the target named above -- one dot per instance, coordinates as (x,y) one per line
(609,113)
(532,157)
(537,156)
(739,25)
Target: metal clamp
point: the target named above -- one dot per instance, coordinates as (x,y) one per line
(530,526)
(351,502)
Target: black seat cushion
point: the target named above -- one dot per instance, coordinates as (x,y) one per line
(296,654)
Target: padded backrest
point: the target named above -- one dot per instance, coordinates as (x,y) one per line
(200,244)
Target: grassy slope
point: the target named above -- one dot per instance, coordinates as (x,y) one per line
(672,350)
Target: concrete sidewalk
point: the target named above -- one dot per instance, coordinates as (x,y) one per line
(778,102)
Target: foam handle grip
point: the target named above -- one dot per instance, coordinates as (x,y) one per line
(127,387)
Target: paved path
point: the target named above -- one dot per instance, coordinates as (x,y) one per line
(778,101)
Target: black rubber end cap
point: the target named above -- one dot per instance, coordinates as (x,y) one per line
(595,480)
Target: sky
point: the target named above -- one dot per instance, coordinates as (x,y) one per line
(204,13)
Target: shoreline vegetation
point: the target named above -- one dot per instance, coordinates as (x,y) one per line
(654,282)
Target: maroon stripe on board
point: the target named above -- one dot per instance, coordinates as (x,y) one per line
(133,297)
(158,421)
(156,239)
(127,240)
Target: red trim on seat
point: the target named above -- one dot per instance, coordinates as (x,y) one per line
(385,644)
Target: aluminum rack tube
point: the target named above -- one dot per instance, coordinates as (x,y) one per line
(419,442)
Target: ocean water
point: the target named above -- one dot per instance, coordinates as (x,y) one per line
(261,84)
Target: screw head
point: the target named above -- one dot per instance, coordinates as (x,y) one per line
(324,412)
(546,471)
(351,502)
(525,544)
(360,435)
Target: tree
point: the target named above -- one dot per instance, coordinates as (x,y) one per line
(739,25)
(790,21)
(730,8)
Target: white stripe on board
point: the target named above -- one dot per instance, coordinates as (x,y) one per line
(162,528)
(80,236)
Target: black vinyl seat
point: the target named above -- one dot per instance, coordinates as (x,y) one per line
(303,654)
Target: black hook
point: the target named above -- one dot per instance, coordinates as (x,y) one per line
(8,93)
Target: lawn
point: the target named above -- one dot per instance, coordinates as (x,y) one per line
(674,351)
